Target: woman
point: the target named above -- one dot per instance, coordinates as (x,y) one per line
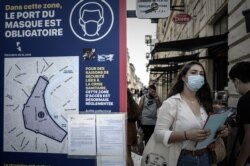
(133,113)
(188,104)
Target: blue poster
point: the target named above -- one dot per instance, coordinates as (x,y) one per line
(59,57)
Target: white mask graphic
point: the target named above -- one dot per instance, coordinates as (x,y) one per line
(91,21)
(195,82)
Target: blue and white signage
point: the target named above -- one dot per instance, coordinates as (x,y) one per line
(59,58)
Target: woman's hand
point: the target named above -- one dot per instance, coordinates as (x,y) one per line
(217,107)
(223,132)
(197,134)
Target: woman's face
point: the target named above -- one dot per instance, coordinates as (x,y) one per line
(195,70)
(194,78)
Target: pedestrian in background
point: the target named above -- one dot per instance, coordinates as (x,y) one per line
(133,114)
(149,103)
(240,76)
(187,109)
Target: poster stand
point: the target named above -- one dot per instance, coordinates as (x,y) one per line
(57,62)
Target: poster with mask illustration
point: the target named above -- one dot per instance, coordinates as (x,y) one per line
(59,58)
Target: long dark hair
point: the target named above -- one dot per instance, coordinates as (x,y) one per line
(203,94)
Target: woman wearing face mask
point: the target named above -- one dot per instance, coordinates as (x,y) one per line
(187,108)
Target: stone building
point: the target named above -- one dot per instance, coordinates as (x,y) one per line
(238,39)
(217,36)
(133,81)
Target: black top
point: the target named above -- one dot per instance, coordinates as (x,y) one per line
(243,114)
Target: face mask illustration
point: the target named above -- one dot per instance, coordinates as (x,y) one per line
(195,82)
(91,26)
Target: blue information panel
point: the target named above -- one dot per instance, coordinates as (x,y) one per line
(59,57)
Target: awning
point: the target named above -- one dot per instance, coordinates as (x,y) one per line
(190,44)
(167,69)
(176,59)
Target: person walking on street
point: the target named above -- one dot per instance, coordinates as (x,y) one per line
(182,116)
(149,103)
(240,76)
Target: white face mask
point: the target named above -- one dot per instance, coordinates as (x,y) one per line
(195,82)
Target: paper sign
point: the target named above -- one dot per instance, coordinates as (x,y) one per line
(110,134)
(81,140)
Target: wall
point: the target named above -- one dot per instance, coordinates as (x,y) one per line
(238,40)
(204,15)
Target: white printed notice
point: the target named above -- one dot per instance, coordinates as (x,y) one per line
(81,138)
(111,161)
(110,134)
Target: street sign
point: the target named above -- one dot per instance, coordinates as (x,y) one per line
(152,8)
(181,18)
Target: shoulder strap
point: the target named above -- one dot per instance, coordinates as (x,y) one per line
(144,96)
(141,104)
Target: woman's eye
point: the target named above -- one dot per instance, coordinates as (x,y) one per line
(202,74)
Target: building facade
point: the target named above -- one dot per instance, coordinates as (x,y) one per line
(238,40)
(133,81)
(216,36)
